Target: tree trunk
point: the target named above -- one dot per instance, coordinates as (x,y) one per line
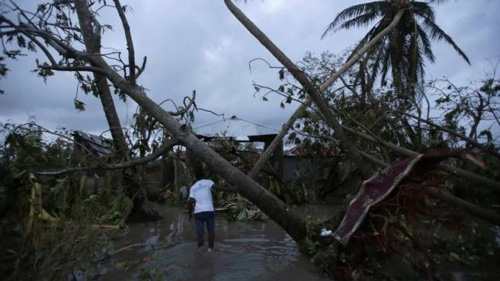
(329,116)
(262,198)
(108,105)
(91,34)
(273,207)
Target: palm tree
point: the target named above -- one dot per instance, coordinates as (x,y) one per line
(403,50)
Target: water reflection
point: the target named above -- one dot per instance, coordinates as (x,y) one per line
(243,251)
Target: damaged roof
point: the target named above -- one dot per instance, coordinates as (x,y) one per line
(233,127)
(99,145)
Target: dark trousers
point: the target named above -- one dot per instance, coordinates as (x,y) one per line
(202,219)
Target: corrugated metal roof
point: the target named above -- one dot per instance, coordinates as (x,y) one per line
(233,127)
(100,145)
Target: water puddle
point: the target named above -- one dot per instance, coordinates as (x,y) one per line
(166,250)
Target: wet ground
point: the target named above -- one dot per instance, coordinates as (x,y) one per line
(166,250)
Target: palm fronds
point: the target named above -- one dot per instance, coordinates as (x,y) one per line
(402,53)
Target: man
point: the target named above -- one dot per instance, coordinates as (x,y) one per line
(201,204)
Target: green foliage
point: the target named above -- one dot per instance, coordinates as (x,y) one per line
(311,244)
(3,70)
(408,242)
(402,51)
(236,208)
(150,274)
(49,225)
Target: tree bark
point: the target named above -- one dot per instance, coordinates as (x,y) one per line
(272,206)
(90,30)
(114,123)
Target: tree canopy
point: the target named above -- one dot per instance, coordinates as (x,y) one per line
(403,51)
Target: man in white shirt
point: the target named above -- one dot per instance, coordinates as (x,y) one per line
(201,204)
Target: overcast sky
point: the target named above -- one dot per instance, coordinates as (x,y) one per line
(199,45)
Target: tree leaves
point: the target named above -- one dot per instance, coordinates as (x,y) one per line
(44,71)
(401,53)
(79,105)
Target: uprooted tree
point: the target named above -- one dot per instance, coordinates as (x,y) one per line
(74,45)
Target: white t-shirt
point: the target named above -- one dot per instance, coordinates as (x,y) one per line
(201,192)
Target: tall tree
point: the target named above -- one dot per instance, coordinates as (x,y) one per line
(402,51)
(91,35)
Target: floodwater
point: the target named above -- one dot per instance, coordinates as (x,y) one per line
(166,250)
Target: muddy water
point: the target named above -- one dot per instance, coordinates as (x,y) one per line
(166,250)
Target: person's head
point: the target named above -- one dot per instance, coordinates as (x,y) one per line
(198,172)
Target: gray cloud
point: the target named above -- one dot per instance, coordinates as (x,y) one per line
(199,45)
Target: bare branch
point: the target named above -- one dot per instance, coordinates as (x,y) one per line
(72,68)
(475,178)
(136,162)
(130,42)
(451,132)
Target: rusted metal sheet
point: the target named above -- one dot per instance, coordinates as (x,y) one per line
(373,191)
